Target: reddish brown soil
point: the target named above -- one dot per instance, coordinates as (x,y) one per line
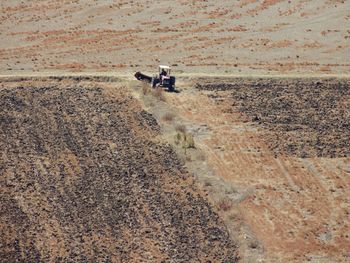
(75,153)
(297,208)
(195,36)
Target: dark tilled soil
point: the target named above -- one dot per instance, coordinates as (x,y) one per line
(304,117)
(84,180)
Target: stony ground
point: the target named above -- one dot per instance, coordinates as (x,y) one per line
(304,117)
(83,178)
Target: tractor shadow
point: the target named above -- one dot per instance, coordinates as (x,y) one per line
(169,91)
(173,91)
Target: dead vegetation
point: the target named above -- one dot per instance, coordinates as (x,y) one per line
(146,89)
(225,204)
(181,128)
(183,138)
(168,117)
(158,93)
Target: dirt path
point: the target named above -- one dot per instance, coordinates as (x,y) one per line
(278,208)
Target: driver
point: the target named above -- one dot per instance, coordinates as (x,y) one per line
(163,73)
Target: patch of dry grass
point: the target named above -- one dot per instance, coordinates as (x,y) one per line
(189,141)
(146,89)
(201,157)
(159,94)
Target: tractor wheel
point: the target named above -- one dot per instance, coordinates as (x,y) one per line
(172,84)
(171,88)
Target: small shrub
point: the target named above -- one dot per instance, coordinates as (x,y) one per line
(178,138)
(181,128)
(188,138)
(232,217)
(225,205)
(168,117)
(188,158)
(187,142)
(207,183)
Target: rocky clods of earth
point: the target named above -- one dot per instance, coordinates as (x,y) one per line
(303,117)
(84,179)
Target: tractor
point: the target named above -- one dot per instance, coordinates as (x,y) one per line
(162,79)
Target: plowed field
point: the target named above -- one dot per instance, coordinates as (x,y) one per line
(81,180)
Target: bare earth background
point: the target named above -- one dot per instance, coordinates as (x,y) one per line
(228,37)
(271,163)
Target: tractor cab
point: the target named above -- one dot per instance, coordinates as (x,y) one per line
(164,72)
(165,79)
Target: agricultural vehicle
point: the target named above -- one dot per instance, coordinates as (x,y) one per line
(162,79)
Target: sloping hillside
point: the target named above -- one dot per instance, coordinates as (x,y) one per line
(81,180)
